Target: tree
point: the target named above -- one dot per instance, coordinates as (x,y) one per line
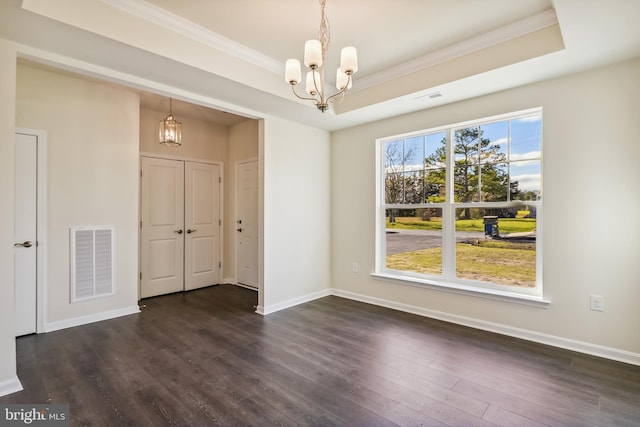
(399,187)
(478,173)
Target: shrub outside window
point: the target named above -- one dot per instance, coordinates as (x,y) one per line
(461,205)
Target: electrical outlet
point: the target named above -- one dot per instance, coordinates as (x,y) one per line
(354,267)
(597,302)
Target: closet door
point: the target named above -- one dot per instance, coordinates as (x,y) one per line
(247,224)
(202,225)
(162,227)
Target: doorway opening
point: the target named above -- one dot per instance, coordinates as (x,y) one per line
(180,226)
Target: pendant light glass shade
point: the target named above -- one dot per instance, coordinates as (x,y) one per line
(170,133)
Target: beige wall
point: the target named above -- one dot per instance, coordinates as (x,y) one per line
(92,178)
(8,379)
(297,222)
(591,206)
(201,140)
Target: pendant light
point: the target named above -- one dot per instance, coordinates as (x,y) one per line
(170,130)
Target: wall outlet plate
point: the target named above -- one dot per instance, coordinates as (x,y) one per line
(596,302)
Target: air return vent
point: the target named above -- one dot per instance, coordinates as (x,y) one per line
(92,256)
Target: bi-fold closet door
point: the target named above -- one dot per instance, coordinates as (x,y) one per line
(180,227)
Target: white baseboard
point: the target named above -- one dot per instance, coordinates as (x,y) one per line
(552,340)
(83,320)
(240,285)
(9,386)
(233,281)
(292,302)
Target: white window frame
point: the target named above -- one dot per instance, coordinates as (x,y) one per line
(447,281)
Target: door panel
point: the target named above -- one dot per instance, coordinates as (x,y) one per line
(162,232)
(202,224)
(247,226)
(25,261)
(163,253)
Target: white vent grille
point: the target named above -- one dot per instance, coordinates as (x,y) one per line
(92,255)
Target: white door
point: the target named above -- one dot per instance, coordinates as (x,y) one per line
(247,224)
(25,261)
(202,225)
(162,227)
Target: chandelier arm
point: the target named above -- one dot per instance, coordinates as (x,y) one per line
(342,91)
(306,98)
(320,90)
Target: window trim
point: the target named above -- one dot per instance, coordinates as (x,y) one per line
(447,282)
(455,288)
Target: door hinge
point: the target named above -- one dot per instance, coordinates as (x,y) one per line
(220,180)
(219,222)
(219,264)
(140,275)
(140,224)
(140,173)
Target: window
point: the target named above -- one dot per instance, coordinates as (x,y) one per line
(461,206)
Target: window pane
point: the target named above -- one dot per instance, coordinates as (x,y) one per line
(394,188)
(414,240)
(393,151)
(494,144)
(526,137)
(413,153)
(495,182)
(435,151)
(466,146)
(494,249)
(435,163)
(525,180)
(434,185)
(413,187)
(466,183)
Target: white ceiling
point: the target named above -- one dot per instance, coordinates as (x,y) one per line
(229,55)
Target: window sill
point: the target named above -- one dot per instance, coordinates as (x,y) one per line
(512,297)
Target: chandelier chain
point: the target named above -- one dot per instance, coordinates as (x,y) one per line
(324,33)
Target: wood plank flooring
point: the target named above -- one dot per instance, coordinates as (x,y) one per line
(204,358)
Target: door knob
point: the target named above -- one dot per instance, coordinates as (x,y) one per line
(240,230)
(178,231)
(25,244)
(191,231)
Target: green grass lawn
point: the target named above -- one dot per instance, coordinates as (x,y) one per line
(492,261)
(414,223)
(506,225)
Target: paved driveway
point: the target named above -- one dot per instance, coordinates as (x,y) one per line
(399,241)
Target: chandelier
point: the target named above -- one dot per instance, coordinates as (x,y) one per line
(314,55)
(170,130)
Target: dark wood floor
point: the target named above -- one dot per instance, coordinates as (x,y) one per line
(205,358)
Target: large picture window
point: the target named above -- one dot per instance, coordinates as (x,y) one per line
(461,206)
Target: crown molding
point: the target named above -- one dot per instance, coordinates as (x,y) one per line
(156,15)
(508,32)
(182,26)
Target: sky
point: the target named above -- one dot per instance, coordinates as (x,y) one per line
(519,139)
